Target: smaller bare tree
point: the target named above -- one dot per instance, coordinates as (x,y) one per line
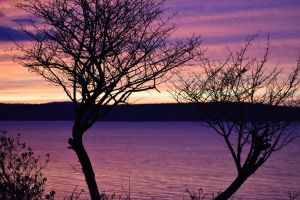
(246,103)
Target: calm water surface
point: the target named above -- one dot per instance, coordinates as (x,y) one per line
(162,158)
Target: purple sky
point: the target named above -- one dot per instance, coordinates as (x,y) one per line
(221,23)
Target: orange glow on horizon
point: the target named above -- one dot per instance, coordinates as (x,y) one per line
(219,25)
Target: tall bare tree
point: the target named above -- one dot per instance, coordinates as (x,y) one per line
(100,52)
(246,102)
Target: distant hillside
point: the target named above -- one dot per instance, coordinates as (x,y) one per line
(150,112)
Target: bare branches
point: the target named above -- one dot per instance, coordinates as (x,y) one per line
(240,79)
(95,49)
(234,87)
(100,52)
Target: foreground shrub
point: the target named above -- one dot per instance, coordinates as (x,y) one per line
(21,176)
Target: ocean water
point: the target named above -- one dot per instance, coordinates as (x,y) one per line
(157,160)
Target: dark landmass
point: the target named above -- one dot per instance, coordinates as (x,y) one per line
(152,112)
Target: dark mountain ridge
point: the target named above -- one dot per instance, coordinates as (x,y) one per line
(59,111)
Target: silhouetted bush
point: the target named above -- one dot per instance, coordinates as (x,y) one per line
(198,194)
(77,195)
(293,195)
(21,176)
(105,196)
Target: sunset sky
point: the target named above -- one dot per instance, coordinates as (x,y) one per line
(221,23)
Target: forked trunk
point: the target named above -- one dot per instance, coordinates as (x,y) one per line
(234,186)
(77,146)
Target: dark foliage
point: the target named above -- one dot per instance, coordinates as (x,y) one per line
(21,176)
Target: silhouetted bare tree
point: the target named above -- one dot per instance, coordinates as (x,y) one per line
(100,52)
(239,83)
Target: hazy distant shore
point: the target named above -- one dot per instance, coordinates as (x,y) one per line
(62,111)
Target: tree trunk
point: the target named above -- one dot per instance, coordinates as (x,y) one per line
(234,186)
(77,146)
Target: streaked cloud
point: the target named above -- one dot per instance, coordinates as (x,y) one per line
(221,23)
(11,34)
(24,20)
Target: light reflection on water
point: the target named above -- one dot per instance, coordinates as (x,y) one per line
(163,158)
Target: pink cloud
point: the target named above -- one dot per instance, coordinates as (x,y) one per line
(222,23)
